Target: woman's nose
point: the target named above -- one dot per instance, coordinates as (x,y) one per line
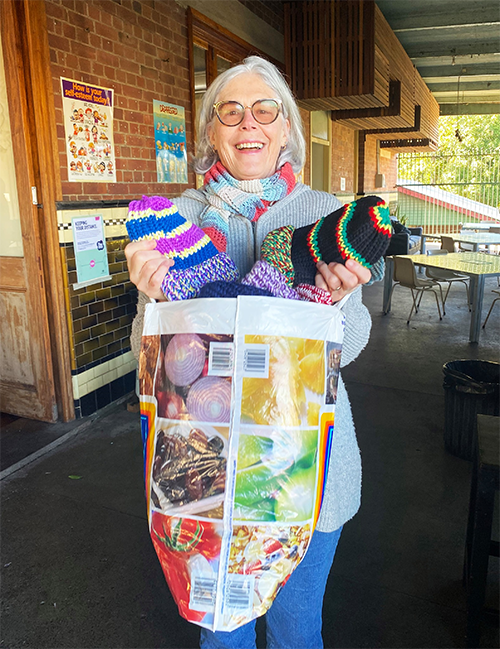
(248,119)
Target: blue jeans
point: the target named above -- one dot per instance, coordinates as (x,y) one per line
(294,621)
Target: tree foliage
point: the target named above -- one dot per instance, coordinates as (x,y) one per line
(467,162)
(469,133)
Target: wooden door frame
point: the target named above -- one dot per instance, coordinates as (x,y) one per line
(30,92)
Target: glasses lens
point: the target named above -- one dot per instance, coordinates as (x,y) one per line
(265,111)
(230,113)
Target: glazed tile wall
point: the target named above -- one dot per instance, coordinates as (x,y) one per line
(100,315)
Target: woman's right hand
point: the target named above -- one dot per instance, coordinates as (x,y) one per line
(147,267)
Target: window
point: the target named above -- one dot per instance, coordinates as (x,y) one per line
(321,137)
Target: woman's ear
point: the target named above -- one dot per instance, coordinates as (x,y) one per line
(211,135)
(286,132)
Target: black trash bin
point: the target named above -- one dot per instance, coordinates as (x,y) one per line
(470,387)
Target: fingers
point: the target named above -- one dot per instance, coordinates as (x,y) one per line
(147,267)
(340,280)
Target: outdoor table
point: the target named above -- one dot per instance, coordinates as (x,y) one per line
(475,239)
(477,226)
(477,265)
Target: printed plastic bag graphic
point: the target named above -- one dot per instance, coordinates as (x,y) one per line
(237,412)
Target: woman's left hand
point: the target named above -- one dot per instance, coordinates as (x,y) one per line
(339,280)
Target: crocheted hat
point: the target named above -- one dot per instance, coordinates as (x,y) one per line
(265,280)
(197,260)
(360,230)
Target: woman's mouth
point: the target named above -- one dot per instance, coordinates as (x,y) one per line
(249,145)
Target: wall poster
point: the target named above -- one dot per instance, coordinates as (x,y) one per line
(170,143)
(88,125)
(91,255)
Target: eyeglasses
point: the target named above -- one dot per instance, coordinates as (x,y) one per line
(264,111)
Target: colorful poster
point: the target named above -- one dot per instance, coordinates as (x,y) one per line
(90,250)
(88,125)
(170,143)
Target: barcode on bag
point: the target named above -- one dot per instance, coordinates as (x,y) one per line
(256,361)
(220,359)
(203,591)
(239,592)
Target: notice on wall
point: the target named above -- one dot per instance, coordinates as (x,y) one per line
(88,126)
(90,250)
(170,142)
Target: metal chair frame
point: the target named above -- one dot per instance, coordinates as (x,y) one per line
(494,290)
(405,275)
(448,276)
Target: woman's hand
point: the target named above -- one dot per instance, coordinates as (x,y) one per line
(339,280)
(147,267)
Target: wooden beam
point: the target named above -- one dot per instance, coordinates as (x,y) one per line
(44,119)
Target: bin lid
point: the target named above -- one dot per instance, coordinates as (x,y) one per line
(476,374)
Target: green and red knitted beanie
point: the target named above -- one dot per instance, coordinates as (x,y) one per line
(360,230)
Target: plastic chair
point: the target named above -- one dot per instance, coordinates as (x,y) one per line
(445,275)
(406,276)
(447,244)
(494,290)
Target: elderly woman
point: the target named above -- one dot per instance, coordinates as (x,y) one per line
(250,147)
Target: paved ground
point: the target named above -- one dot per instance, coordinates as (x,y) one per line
(79,570)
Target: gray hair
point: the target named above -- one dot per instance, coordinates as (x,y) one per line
(295,150)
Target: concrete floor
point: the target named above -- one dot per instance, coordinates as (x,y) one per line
(79,570)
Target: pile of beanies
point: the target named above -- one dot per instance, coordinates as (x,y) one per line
(360,230)
(197,260)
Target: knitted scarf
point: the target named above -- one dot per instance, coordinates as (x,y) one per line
(249,198)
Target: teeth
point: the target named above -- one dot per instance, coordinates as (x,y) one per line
(250,145)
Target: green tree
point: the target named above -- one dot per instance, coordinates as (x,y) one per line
(469,133)
(467,161)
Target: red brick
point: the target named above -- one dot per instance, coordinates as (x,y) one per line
(109,72)
(94,12)
(82,21)
(59,42)
(82,50)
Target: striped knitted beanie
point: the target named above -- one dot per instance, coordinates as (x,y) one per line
(197,260)
(360,230)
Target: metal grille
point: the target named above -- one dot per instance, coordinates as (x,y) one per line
(441,192)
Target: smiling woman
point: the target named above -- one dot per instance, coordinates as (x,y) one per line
(250,146)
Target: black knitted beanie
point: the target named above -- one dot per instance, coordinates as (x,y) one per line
(360,230)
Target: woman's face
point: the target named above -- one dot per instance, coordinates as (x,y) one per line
(249,150)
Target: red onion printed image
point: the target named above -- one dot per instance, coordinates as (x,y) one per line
(183,388)
(184,359)
(210,399)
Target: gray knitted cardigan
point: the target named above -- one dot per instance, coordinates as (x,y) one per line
(302,206)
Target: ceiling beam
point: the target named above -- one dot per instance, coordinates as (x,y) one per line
(454,71)
(469,109)
(440,47)
(432,13)
(464,86)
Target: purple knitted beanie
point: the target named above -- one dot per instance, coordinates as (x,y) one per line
(197,260)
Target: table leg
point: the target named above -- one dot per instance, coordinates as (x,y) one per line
(477,293)
(389,271)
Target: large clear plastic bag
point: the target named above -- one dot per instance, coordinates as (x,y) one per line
(237,408)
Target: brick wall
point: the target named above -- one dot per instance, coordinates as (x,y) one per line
(343,155)
(140,50)
(387,166)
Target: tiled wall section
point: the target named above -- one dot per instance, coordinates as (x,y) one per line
(100,316)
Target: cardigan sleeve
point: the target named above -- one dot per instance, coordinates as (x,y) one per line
(358,324)
(138,324)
